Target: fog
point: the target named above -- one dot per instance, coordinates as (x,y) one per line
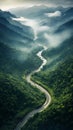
(34,24)
(44,32)
(55,14)
(55,40)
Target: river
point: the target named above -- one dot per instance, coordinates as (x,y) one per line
(43,90)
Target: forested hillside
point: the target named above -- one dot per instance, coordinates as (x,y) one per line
(59,114)
(57,78)
(36,51)
(16,95)
(16,99)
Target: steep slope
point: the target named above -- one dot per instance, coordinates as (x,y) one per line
(66,26)
(17,97)
(36,11)
(60,53)
(12,32)
(56,76)
(17,62)
(40,12)
(60,114)
(15,101)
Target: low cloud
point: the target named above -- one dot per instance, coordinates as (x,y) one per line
(55,14)
(55,40)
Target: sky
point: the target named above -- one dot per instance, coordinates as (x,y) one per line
(7,4)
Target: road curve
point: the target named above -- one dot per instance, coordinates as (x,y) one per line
(47,95)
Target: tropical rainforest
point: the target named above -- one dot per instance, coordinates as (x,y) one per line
(23,33)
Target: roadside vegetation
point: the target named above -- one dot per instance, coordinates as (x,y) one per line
(59,114)
(59,83)
(17,97)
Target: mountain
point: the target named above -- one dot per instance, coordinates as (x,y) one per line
(31,12)
(57,78)
(66,26)
(12,32)
(59,54)
(36,11)
(69,12)
(15,97)
(18,58)
(16,100)
(65,15)
(59,114)
(6,14)
(57,75)
(46,16)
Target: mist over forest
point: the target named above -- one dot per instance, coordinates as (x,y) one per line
(36,51)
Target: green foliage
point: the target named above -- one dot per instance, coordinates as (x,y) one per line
(59,82)
(14,91)
(11,63)
(59,54)
(17,97)
(59,115)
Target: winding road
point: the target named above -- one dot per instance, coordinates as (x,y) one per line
(47,95)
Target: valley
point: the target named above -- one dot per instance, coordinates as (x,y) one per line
(36,68)
(44,91)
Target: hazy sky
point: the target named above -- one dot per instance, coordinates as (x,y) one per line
(6,4)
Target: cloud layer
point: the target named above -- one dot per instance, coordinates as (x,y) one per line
(65,2)
(15,3)
(55,14)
